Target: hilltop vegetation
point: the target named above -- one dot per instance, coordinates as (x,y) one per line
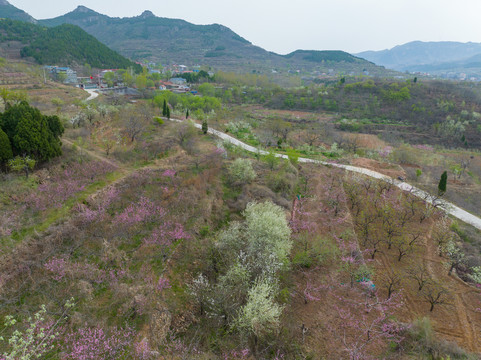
(406,110)
(65,44)
(325,56)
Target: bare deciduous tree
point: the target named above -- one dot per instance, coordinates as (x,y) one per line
(435,294)
(391,280)
(135,121)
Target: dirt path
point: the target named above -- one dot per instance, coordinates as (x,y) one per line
(94,154)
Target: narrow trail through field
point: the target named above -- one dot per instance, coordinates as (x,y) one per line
(94,154)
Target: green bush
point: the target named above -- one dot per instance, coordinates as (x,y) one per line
(241,171)
(271,159)
(421,340)
(293,156)
(302,259)
(283,181)
(405,155)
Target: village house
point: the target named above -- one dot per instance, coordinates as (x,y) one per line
(178,81)
(69,75)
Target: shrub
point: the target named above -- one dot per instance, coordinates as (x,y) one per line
(405,155)
(421,341)
(282,182)
(293,156)
(241,171)
(271,159)
(302,259)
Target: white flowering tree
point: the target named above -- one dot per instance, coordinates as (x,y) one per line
(261,314)
(268,237)
(241,171)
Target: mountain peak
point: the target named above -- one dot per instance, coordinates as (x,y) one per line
(4,2)
(146,14)
(80,9)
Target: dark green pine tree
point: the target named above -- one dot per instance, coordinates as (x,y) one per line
(30,133)
(55,125)
(168,113)
(164,109)
(187,114)
(442,183)
(5,148)
(205,127)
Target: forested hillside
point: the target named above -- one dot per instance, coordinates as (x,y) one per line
(61,45)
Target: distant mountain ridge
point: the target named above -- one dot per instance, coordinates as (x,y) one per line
(152,38)
(8,11)
(419,56)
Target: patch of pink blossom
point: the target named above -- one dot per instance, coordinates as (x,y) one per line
(96,344)
(162,284)
(63,185)
(169,173)
(237,354)
(7,224)
(58,268)
(166,234)
(143,210)
(386,151)
(142,350)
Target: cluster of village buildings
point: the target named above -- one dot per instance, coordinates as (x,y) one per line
(175,84)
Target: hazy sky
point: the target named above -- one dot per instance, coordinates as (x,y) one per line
(283,26)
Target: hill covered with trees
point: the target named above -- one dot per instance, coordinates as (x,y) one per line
(61,45)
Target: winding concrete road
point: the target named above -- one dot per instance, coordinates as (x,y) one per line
(448,207)
(92,93)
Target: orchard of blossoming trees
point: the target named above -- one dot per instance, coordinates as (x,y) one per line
(176,248)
